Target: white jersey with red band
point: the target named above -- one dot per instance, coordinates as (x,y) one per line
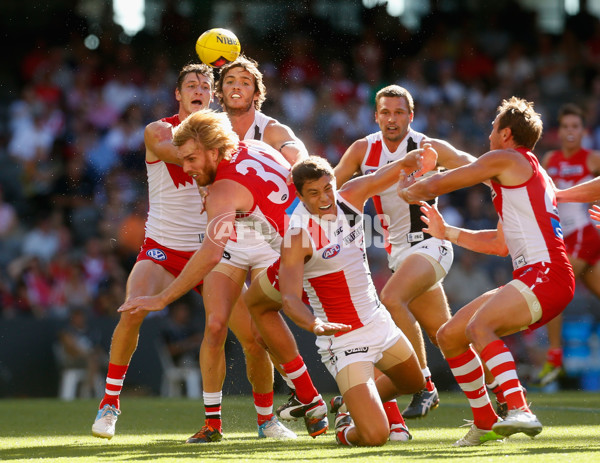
(530,220)
(401,222)
(174,218)
(263,171)
(337,278)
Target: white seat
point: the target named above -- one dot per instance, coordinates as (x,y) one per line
(175,376)
(72,380)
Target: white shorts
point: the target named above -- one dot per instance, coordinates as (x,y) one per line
(249,253)
(365,344)
(439,252)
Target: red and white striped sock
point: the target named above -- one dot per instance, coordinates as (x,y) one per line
(212,409)
(297,372)
(501,364)
(114,385)
(468,371)
(264,406)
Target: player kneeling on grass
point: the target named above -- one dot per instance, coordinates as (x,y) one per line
(324,253)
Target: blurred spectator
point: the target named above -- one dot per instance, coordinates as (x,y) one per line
(466,281)
(181,336)
(79,346)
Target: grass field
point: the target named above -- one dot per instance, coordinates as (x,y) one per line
(153,429)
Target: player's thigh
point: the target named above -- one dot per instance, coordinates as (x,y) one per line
(453,332)
(400,364)
(361,397)
(221,290)
(505,312)
(431,309)
(261,296)
(414,276)
(147,279)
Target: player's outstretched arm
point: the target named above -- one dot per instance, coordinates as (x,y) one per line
(448,156)
(583,193)
(488,166)
(283,139)
(294,250)
(416,163)
(483,241)
(221,210)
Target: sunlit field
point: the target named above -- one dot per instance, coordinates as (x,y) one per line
(155,429)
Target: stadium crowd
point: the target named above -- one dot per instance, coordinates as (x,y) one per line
(73,195)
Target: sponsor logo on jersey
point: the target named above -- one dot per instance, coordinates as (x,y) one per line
(354,234)
(519,262)
(156,254)
(557,228)
(566,170)
(356,350)
(331,252)
(415,237)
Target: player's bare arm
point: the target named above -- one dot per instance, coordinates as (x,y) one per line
(483,241)
(295,250)
(282,138)
(448,156)
(227,197)
(418,162)
(158,138)
(583,193)
(593,162)
(507,167)
(350,162)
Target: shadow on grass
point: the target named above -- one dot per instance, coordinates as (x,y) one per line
(324,448)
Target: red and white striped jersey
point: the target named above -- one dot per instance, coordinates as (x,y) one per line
(530,220)
(401,222)
(263,171)
(337,278)
(174,218)
(567,172)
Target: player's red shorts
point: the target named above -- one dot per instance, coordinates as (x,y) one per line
(171,260)
(584,244)
(553,285)
(273,276)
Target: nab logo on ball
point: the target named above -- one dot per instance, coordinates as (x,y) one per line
(156,254)
(331,252)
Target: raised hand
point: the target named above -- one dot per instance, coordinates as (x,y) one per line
(436,226)
(595,214)
(137,304)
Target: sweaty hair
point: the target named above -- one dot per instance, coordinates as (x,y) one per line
(210,129)
(248,64)
(398,92)
(196,68)
(571,109)
(310,169)
(525,124)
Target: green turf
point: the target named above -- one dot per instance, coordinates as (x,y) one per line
(153,429)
